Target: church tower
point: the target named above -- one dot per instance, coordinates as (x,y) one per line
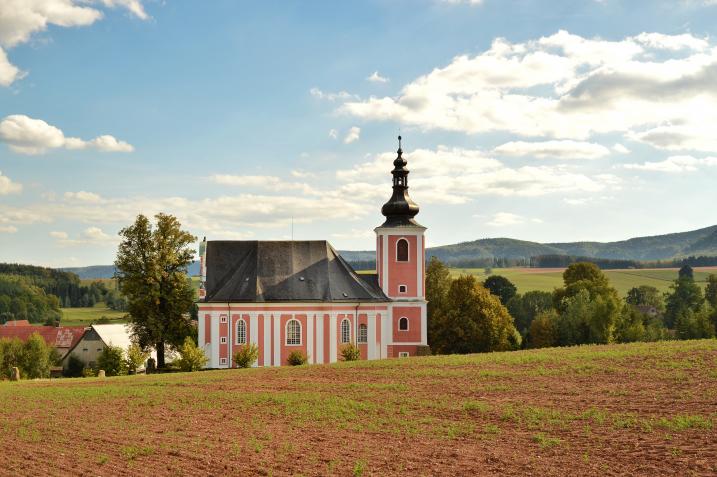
(401,265)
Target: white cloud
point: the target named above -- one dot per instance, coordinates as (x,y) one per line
(20,19)
(90,236)
(565,149)
(272,183)
(59,235)
(83,196)
(26,135)
(566,87)
(8,229)
(353,135)
(333,134)
(502,219)
(375,77)
(675,164)
(7,186)
(340,96)
(620,149)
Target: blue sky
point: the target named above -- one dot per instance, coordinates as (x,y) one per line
(538,120)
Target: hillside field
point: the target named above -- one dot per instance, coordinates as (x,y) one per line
(641,409)
(86,316)
(547,279)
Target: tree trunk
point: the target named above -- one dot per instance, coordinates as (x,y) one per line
(160,355)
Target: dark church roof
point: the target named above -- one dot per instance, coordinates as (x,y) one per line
(281,271)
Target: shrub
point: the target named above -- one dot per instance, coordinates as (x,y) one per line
(543,330)
(88,373)
(192,357)
(37,358)
(75,367)
(246,356)
(112,361)
(423,350)
(136,357)
(296,358)
(350,352)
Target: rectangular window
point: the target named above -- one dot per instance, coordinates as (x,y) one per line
(223,318)
(402,289)
(403,354)
(222,361)
(363,334)
(224,339)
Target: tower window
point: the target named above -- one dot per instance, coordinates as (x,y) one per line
(402,250)
(223,318)
(345,331)
(363,334)
(403,324)
(402,288)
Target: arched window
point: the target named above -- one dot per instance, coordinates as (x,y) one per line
(293,332)
(241,332)
(345,331)
(402,250)
(403,324)
(363,334)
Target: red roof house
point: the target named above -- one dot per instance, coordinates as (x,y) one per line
(63,338)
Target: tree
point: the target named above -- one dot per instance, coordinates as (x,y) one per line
(630,327)
(37,357)
(583,276)
(685,295)
(112,361)
(475,321)
(75,367)
(152,274)
(500,287)
(136,357)
(191,357)
(524,308)
(438,282)
(691,324)
(711,290)
(646,295)
(686,272)
(543,330)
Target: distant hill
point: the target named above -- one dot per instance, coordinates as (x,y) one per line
(701,242)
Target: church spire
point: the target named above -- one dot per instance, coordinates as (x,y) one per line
(400,209)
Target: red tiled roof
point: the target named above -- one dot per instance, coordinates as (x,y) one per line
(63,337)
(18,323)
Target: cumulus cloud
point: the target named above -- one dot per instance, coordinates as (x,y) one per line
(565,149)
(82,196)
(353,135)
(7,186)
(59,235)
(565,86)
(333,134)
(620,149)
(90,236)
(375,77)
(26,135)
(675,164)
(8,229)
(340,96)
(20,19)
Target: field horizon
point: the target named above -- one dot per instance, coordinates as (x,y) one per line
(645,408)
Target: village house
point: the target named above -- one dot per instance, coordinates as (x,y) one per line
(62,338)
(302,295)
(98,337)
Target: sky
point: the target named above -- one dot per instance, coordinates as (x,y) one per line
(548,121)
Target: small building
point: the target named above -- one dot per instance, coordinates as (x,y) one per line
(302,295)
(97,338)
(17,323)
(62,338)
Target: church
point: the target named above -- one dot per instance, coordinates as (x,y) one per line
(302,295)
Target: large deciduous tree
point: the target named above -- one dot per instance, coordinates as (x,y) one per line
(151,272)
(501,287)
(438,282)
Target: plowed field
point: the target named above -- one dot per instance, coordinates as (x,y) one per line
(641,409)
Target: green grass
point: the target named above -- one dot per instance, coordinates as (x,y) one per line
(87,316)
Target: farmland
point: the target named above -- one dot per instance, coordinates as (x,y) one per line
(546,279)
(89,315)
(648,409)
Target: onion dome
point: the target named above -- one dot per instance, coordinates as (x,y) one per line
(400,210)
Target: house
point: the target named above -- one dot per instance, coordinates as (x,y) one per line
(301,295)
(97,338)
(18,323)
(62,338)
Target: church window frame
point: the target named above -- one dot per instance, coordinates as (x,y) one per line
(401,326)
(403,250)
(241,332)
(293,332)
(402,289)
(345,331)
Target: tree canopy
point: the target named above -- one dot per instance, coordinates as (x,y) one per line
(501,287)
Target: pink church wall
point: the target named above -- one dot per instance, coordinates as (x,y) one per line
(223,329)
(413,334)
(286,349)
(402,273)
(207,329)
(327,338)
(260,337)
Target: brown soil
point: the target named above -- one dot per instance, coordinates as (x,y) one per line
(578,413)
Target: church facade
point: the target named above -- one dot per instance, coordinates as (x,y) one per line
(302,295)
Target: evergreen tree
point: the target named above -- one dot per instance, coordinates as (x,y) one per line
(152,274)
(685,295)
